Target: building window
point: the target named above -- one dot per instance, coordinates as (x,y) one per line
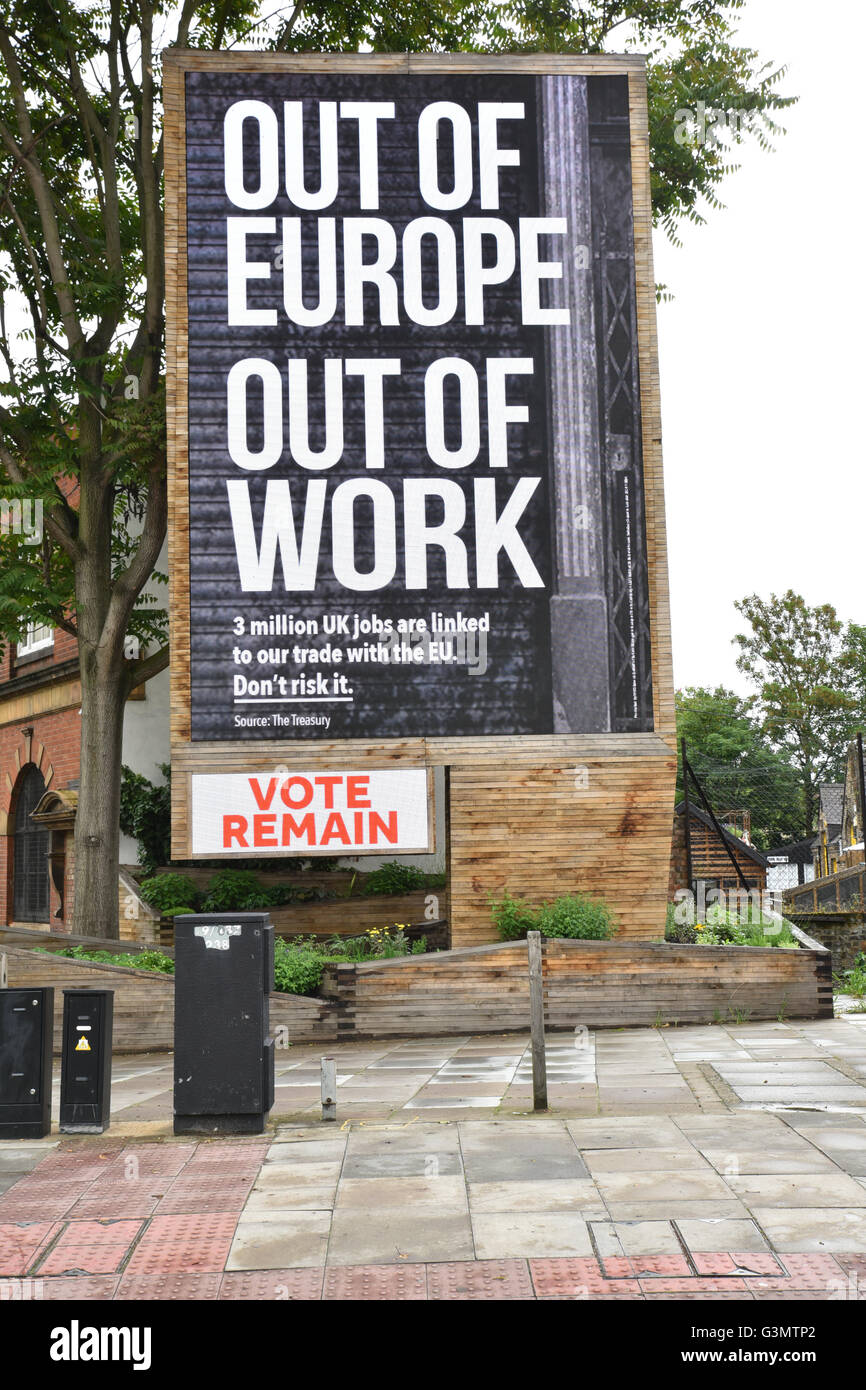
(37,637)
(30,895)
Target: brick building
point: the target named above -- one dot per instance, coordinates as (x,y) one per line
(40,746)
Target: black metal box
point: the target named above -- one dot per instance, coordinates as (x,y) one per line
(26,1041)
(223,1057)
(85,1072)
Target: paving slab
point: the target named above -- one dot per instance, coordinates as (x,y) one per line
(622,1132)
(799,1190)
(820,1229)
(685,1159)
(660,1186)
(391,1235)
(529,1234)
(437,1193)
(646,1238)
(721,1233)
(280,1241)
(578,1195)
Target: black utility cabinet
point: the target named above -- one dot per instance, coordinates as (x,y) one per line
(26,1044)
(85,1072)
(223,1056)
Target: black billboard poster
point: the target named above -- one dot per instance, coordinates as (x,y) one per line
(415,475)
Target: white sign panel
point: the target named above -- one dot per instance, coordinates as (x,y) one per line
(314,812)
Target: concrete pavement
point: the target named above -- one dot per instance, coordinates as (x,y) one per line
(716,1163)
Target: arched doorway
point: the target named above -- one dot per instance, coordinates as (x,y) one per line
(30,890)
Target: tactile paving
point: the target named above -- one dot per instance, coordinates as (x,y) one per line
(278,1284)
(479,1279)
(361,1283)
(645,1266)
(83,1259)
(718,1263)
(194,1244)
(21,1243)
(693,1286)
(576,1278)
(86,1286)
(168,1287)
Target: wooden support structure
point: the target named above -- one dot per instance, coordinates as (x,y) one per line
(536,1020)
(543,815)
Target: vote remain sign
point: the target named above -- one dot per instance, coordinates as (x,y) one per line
(314,812)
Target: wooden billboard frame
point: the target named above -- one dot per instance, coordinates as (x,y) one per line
(637,770)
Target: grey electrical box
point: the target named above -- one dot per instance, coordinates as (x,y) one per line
(26,1038)
(85,1073)
(223,1056)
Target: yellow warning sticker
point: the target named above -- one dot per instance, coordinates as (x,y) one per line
(82,1045)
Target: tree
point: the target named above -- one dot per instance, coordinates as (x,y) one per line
(82,426)
(82,412)
(802,668)
(706,92)
(737,766)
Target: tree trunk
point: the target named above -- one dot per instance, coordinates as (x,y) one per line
(97,822)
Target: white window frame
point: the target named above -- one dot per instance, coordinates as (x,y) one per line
(37,637)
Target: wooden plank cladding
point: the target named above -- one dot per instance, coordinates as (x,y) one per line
(601,828)
(586,984)
(481,989)
(144,1002)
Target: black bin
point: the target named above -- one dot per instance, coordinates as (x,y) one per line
(26,1039)
(223,1056)
(85,1073)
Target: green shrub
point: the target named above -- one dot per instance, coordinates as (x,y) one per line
(394,878)
(853,981)
(576,918)
(681,934)
(512,917)
(136,960)
(235,890)
(297,969)
(573,916)
(238,890)
(174,891)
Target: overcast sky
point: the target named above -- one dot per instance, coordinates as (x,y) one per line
(762,356)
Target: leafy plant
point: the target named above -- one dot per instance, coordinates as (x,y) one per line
(396,878)
(853,981)
(573,916)
(170,893)
(681,934)
(136,960)
(576,918)
(512,917)
(145,814)
(297,970)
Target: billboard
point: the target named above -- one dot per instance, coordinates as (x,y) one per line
(415,488)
